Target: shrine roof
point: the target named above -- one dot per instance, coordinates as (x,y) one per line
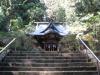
(43,28)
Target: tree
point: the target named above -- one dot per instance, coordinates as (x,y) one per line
(60,15)
(84,7)
(89,13)
(13,9)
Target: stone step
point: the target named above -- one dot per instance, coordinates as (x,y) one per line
(66,63)
(46,60)
(48,64)
(33,54)
(30,68)
(43,54)
(44,57)
(48,73)
(41,51)
(36,52)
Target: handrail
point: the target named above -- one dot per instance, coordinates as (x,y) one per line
(8,45)
(91,52)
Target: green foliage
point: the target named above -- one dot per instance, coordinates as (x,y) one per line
(60,15)
(22,41)
(29,11)
(6,34)
(84,7)
(2,20)
(16,24)
(94,19)
(3,23)
(36,12)
(18,13)
(69,43)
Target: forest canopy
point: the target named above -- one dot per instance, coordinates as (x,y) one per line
(15,14)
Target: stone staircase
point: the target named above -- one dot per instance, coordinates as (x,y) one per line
(34,62)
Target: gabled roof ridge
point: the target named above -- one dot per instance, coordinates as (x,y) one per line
(49,26)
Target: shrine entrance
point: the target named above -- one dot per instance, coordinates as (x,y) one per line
(49,42)
(48,35)
(50,46)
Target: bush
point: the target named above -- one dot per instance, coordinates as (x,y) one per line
(69,43)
